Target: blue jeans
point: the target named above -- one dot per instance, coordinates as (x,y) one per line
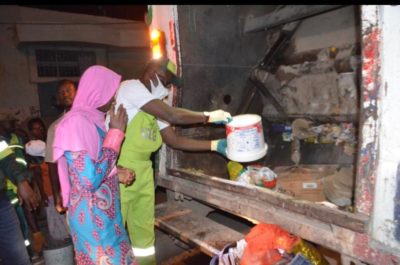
(12,246)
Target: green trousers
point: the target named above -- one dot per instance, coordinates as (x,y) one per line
(142,138)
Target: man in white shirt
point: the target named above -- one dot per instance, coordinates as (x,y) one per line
(66,91)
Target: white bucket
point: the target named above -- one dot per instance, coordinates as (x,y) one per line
(245,138)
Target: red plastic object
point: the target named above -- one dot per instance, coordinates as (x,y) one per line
(263,242)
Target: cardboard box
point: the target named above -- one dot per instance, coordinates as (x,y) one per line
(303,183)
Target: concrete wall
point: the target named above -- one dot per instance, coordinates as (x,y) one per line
(21,31)
(18,95)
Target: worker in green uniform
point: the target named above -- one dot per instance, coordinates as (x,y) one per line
(149,120)
(12,247)
(28,219)
(17,145)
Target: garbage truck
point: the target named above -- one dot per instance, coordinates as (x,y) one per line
(324,79)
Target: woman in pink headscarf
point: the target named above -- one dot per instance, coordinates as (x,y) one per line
(86,156)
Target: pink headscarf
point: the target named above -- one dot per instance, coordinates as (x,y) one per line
(77,130)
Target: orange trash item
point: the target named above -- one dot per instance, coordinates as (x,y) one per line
(263,241)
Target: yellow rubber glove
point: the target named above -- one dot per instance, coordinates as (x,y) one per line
(218,116)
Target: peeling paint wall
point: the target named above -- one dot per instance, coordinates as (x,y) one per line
(165,18)
(371,82)
(386,204)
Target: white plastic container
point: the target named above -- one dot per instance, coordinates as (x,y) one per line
(245,138)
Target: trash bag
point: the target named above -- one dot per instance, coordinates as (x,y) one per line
(259,256)
(263,243)
(223,258)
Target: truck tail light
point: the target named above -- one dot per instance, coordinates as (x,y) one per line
(157,39)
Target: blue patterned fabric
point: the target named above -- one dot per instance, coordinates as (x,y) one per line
(94,213)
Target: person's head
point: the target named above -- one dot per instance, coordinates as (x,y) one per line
(37,129)
(156,68)
(66,92)
(16,128)
(97,88)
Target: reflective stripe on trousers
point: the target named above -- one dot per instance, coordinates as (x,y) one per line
(144,252)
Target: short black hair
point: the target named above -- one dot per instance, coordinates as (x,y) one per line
(35,120)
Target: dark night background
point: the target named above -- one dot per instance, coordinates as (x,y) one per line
(131,12)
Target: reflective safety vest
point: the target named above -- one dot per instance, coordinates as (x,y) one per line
(14,146)
(17,146)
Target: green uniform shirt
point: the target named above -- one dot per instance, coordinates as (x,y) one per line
(9,167)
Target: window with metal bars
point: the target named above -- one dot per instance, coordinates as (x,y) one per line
(63,63)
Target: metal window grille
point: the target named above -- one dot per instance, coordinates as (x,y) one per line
(63,63)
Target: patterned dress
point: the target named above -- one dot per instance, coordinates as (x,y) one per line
(94,213)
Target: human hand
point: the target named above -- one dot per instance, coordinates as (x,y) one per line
(29,197)
(58,204)
(218,116)
(125,175)
(119,120)
(219,146)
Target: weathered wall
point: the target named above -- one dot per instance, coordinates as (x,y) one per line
(386,203)
(17,93)
(18,90)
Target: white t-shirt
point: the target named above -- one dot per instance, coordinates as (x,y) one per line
(133,95)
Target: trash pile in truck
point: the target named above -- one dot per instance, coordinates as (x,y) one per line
(269,244)
(316,183)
